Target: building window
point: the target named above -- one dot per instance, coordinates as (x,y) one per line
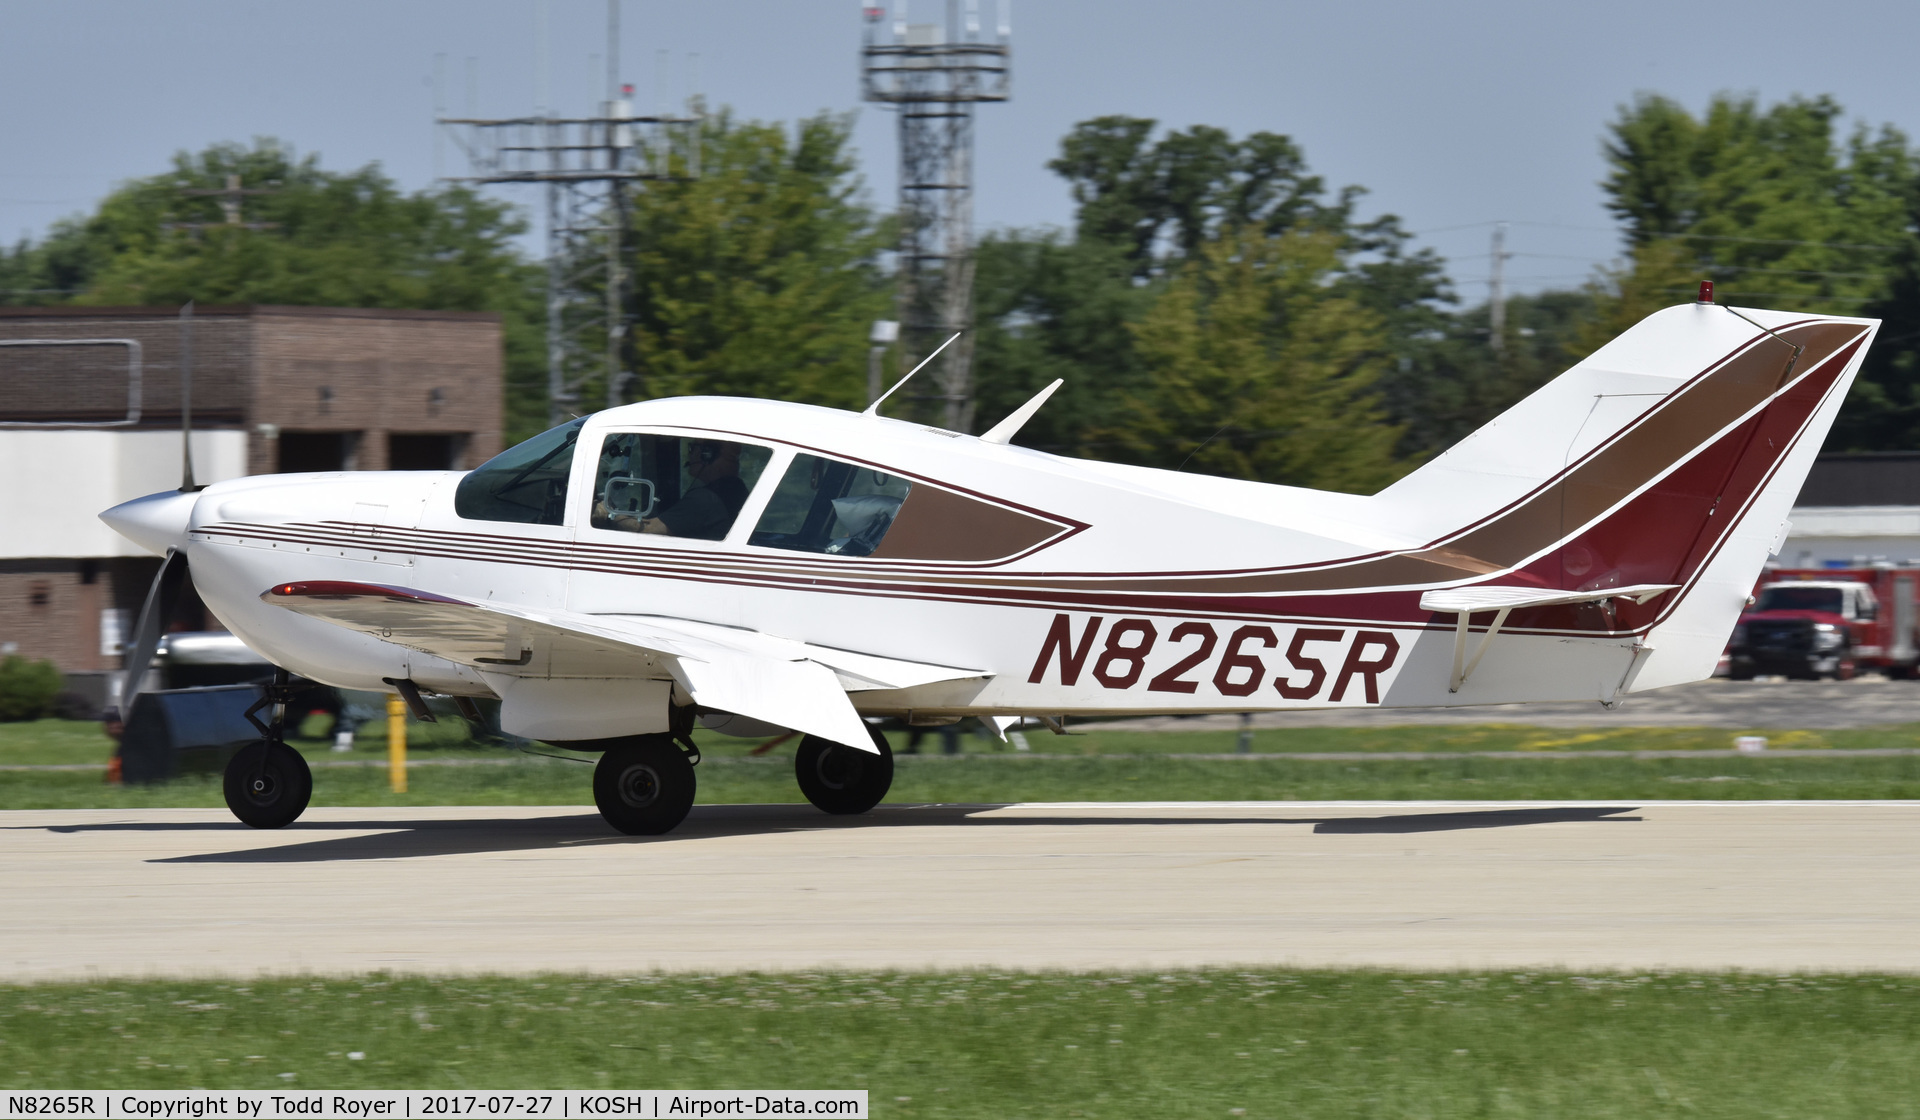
(424,451)
(302,452)
(39,594)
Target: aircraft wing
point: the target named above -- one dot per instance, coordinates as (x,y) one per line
(775,680)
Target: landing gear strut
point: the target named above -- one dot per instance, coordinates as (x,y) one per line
(267,783)
(841,780)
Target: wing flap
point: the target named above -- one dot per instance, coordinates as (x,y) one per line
(798,694)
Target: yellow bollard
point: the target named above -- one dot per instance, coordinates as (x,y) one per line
(397,743)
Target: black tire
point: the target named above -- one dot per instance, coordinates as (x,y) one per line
(644,786)
(267,785)
(1740,673)
(841,780)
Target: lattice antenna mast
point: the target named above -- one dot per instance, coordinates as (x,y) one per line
(934,73)
(590,167)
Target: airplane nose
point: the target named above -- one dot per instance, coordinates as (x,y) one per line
(156,522)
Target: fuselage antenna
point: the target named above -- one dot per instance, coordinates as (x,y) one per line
(1706,297)
(874,408)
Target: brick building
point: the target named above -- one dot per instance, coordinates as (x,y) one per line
(90,407)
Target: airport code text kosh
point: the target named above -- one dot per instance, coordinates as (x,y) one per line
(1330,664)
(367,1104)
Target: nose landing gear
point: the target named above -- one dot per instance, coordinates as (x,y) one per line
(267,783)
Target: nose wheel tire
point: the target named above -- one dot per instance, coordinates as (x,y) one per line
(841,780)
(644,786)
(267,784)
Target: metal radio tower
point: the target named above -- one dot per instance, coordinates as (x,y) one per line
(590,166)
(934,73)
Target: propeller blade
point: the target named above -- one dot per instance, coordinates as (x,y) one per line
(162,597)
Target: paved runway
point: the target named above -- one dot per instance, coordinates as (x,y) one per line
(1768,886)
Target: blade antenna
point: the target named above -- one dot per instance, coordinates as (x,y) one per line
(186,399)
(874,408)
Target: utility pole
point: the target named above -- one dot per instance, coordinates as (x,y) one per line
(934,74)
(618,104)
(1497,291)
(439,113)
(230,198)
(589,166)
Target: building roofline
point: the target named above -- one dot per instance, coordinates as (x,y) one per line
(243,311)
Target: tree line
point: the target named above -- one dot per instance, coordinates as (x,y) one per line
(1214,306)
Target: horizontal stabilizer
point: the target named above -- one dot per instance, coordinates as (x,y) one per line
(1453,600)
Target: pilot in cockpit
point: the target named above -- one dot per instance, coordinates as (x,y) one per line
(704,512)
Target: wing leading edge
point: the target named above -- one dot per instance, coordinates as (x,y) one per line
(775,680)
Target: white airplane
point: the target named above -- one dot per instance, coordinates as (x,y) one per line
(760,566)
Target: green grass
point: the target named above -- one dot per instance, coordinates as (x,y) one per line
(65,741)
(1011,778)
(45,742)
(1273,1043)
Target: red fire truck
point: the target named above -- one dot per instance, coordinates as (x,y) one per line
(1829,622)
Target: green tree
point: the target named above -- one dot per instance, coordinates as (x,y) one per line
(761,276)
(1053,306)
(1253,344)
(1457,383)
(1766,202)
(349,239)
(1769,203)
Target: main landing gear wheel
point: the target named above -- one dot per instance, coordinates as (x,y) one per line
(644,786)
(841,780)
(267,784)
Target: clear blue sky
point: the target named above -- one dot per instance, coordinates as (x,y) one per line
(1452,115)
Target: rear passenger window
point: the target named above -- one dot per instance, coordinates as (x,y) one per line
(824,505)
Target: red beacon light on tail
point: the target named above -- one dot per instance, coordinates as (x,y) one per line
(1706,292)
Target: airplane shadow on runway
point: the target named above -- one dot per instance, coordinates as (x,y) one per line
(407,839)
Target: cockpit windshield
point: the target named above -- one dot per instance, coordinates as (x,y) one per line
(526,483)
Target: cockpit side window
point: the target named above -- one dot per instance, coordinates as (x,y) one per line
(673,485)
(824,505)
(526,483)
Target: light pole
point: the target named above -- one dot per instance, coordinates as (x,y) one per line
(884,332)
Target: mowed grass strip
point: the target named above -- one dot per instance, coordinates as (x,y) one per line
(1217,1043)
(1001,779)
(56,742)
